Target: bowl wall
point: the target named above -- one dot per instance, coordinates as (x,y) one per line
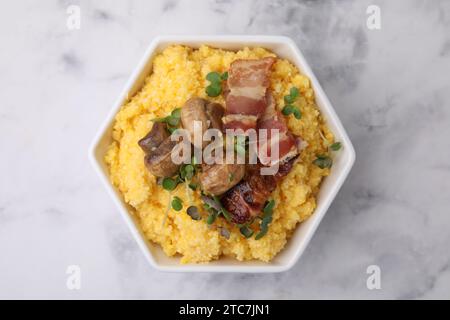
(284,48)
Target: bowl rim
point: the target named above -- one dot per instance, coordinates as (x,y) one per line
(247,40)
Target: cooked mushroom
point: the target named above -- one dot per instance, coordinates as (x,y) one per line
(154,138)
(194,110)
(215,112)
(219,178)
(159,161)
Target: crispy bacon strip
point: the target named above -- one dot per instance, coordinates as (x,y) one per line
(273,119)
(246,200)
(247,84)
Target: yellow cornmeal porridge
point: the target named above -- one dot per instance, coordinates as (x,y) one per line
(178,74)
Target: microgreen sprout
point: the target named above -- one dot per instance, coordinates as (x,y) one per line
(323,161)
(169,184)
(246,231)
(336,146)
(289,100)
(266,219)
(172,120)
(215,87)
(177,204)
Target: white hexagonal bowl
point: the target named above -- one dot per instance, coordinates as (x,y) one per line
(285,48)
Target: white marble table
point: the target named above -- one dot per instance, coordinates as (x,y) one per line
(391,88)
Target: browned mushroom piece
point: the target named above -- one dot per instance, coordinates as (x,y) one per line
(193,114)
(157,143)
(215,112)
(218,178)
(154,138)
(159,162)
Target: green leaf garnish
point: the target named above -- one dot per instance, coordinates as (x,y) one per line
(193,186)
(176,113)
(266,219)
(268,208)
(288,109)
(213,90)
(297,114)
(246,231)
(213,77)
(292,96)
(177,204)
(226,214)
(289,99)
(173,121)
(230,177)
(211,218)
(218,206)
(336,146)
(323,161)
(294,92)
(222,210)
(262,232)
(215,87)
(214,205)
(178,179)
(187,172)
(189,169)
(169,184)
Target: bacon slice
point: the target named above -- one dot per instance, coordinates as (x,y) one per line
(287,146)
(247,84)
(246,200)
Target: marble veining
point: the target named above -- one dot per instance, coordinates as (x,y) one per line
(390,87)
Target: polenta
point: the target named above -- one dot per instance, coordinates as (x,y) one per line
(178,74)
